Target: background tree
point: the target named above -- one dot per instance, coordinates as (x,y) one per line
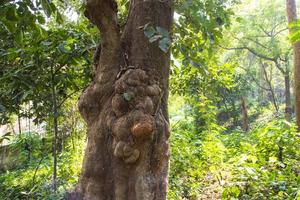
(292,16)
(267,41)
(39,60)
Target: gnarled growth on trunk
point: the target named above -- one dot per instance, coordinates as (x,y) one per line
(125,107)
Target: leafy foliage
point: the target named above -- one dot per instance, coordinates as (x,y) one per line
(35,181)
(263,164)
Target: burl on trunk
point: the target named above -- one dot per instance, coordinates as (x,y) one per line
(125,107)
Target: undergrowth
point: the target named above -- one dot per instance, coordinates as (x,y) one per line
(263,164)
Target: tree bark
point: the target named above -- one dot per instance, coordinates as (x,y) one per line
(292,15)
(125,107)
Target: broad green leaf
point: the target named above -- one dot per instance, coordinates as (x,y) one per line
(64,48)
(162,31)
(19,37)
(58,17)
(164,44)
(47,7)
(149,31)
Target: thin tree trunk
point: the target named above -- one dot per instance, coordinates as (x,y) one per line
(292,15)
(262,95)
(270,88)
(235,117)
(19,123)
(245,118)
(286,73)
(280,153)
(12,128)
(55,128)
(125,107)
(288,102)
(29,119)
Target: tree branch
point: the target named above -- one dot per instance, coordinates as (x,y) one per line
(67,97)
(252,51)
(280,31)
(280,68)
(103,13)
(254,79)
(256,42)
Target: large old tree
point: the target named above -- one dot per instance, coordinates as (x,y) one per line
(125,107)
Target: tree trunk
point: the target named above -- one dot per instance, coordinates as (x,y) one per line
(125,107)
(235,116)
(292,15)
(288,102)
(55,128)
(261,94)
(245,118)
(268,81)
(19,123)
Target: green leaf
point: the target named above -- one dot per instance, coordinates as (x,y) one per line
(128,96)
(149,31)
(19,37)
(162,31)
(295,36)
(46,7)
(63,48)
(46,43)
(58,17)
(164,44)
(2,108)
(41,19)
(155,38)
(11,14)
(236,191)
(9,25)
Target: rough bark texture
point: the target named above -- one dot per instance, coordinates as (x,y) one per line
(292,15)
(125,107)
